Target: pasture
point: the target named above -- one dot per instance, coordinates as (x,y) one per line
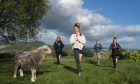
(127,72)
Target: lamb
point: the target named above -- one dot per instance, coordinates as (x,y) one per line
(30,60)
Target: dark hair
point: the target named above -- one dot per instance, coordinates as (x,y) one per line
(114,37)
(77,25)
(57,39)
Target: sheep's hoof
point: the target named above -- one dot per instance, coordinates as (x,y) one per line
(32,80)
(15,76)
(21,75)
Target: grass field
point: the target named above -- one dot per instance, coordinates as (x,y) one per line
(49,73)
(127,72)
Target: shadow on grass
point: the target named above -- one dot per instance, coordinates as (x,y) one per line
(95,64)
(70,68)
(37,72)
(57,63)
(42,72)
(92,62)
(106,66)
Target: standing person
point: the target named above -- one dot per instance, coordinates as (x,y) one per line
(77,40)
(98,48)
(58,45)
(115,47)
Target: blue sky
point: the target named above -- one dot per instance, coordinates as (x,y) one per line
(125,12)
(99,19)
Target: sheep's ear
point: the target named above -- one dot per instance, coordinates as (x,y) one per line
(41,50)
(45,49)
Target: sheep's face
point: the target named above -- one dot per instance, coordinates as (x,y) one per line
(46,50)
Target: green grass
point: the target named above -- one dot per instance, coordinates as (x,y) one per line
(49,73)
(127,72)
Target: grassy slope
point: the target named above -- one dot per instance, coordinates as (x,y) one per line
(49,73)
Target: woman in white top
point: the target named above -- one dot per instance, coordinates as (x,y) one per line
(77,41)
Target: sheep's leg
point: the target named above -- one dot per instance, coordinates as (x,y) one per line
(33,77)
(21,72)
(15,72)
(35,74)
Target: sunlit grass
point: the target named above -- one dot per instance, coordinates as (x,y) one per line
(50,73)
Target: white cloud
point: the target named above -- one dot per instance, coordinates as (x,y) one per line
(50,36)
(64,13)
(47,37)
(122,40)
(127,39)
(107,31)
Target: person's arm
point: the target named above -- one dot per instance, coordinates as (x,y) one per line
(100,47)
(95,47)
(62,45)
(55,45)
(119,46)
(73,39)
(111,47)
(81,39)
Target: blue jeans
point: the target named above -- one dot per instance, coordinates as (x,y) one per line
(77,59)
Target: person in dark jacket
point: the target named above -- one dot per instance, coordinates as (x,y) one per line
(58,45)
(98,48)
(115,47)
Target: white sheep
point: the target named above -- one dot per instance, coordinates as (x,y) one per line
(30,60)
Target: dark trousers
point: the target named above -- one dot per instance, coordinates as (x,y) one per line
(115,53)
(77,59)
(114,60)
(57,57)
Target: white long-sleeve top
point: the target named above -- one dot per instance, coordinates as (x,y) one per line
(77,42)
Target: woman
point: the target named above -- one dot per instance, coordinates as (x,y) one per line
(58,45)
(77,41)
(115,47)
(98,48)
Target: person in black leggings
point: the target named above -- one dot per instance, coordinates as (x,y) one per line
(58,45)
(115,47)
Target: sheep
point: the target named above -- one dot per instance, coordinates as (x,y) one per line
(30,60)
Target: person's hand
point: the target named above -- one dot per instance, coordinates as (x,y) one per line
(115,45)
(76,37)
(78,34)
